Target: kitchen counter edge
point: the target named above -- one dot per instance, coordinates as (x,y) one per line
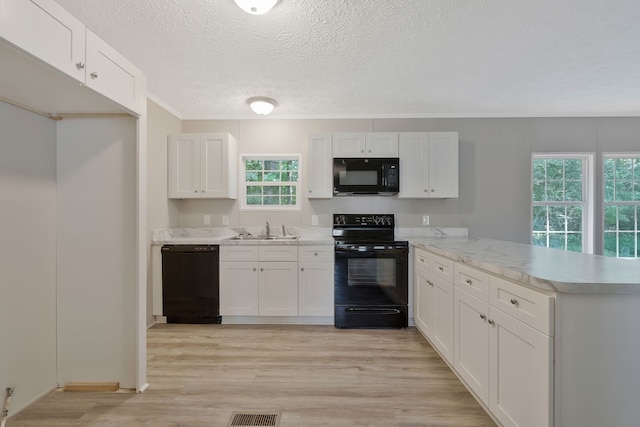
(541,268)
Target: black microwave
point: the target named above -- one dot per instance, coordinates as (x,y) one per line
(353,176)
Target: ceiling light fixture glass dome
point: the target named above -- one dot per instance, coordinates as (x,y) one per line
(256,7)
(262,105)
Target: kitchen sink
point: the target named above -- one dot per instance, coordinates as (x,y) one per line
(249,238)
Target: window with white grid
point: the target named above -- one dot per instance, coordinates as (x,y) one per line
(270,182)
(562,201)
(621,178)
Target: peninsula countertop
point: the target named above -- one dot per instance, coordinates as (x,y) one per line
(543,268)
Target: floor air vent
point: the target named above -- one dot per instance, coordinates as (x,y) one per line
(241,419)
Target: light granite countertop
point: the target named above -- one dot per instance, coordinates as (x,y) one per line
(221,236)
(542,268)
(308,235)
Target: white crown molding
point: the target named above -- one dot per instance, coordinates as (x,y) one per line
(165,105)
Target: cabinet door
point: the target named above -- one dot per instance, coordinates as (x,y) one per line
(184,166)
(113,76)
(443,318)
(414,158)
(381,144)
(443,164)
(239,288)
(423,297)
(315,289)
(471,346)
(46,31)
(319,166)
(278,289)
(521,377)
(349,144)
(218,166)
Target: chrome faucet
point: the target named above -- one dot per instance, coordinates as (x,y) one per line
(267,230)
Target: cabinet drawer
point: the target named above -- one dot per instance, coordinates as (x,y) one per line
(529,306)
(239,253)
(438,266)
(278,253)
(316,253)
(473,281)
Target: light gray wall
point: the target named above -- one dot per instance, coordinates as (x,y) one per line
(161,212)
(495,169)
(27,254)
(97,291)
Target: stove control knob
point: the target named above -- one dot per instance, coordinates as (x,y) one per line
(341,220)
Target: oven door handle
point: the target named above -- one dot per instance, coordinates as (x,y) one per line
(356,310)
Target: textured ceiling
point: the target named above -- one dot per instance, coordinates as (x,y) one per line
(373,58)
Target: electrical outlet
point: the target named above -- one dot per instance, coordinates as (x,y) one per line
(225,219)
(207,220)
(314,219)
(425,219)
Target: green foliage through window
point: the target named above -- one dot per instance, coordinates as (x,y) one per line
(622,206)
(558,202)
(271,182)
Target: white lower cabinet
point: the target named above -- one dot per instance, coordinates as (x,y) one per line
(315,288)
(315,280)
(433,311)
(496,334)
(278,289)
(471,346)
(259,280)
(276,280)
(507,363)
(520,373)
(239,288)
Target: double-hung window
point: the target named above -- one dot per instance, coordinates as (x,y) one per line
(621,205)
(562,201)
(270,182)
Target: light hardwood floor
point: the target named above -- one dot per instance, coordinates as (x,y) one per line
(312,375)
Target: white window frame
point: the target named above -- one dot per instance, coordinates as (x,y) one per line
(617,155)
(588,193)
(243,183)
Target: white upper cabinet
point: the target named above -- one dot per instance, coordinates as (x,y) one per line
(218,166)
(428,164)
(381,144)
(110,74)
(350,144)
(43,29)
(202,166)
(359,144)
(319,166)
(48,33)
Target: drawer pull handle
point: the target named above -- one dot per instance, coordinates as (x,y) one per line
(483,317)
(302,269)
(441,268)
(492,323)
(315,254)
(254,269)
(514,301)
(429,283)
(468,281)
(421,259)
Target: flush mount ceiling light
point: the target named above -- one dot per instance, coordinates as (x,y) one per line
(256,7)
(262,105)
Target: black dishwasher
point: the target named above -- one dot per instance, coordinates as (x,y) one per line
(191,283)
